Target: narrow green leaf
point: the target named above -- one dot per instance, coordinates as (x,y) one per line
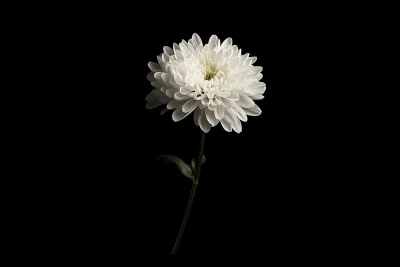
(194,164)
(182,166)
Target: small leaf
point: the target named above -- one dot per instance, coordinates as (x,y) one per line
(194,164)
(182,166)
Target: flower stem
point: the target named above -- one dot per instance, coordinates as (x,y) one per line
(192,194)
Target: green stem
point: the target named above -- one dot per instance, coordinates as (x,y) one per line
(192,194)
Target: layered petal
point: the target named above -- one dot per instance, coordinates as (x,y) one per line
(178,114)
(190,105)
(226,125)
(175,104)
(203,123)
(214,80)
(253,111)
(211,117)
(245,101)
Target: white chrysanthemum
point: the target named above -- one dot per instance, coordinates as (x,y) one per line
(215,81)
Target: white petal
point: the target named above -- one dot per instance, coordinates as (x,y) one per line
(197,89)
(175,104)
(247,62)
(150,76)
(237,127)
(257,77)
(179,79)
(165,57)
(204,124)
(178,114)
(228,53)
(154,66)
(164,100)
(174,85)
(157,84)
(231,115)
(205,101)
(153,104)
(234,96)
(188,80)
(170,92)
(217,101)
(201,106)
(159,93)
(223,94)
(245,101)
(234,62)
(179,55)
(165,78)
(190,48)
(213,54)
(161,63)
(228,103)
(175,47)
(255,70)
(197,39)
(213,42)
(197,115)
(258,87)
(184,90)
(241,114)
(168,50)
(219,112)
(157,75)
(183,48)
(193,44)
(226,125)
(248,92)
(253,59)
(152,95)
(206,48)
(256,97)
(211,117)
(190,105)
(180,97)
(227,43)
(253,111)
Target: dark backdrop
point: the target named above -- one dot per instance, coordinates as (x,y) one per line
(96,193)
(118,201)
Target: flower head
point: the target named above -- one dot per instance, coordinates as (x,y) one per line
(213,80)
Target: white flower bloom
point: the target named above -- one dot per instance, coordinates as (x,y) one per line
(214,80)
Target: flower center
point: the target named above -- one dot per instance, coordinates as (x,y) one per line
(209,73)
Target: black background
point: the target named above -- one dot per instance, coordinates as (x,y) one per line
(117,200)
(94,191)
